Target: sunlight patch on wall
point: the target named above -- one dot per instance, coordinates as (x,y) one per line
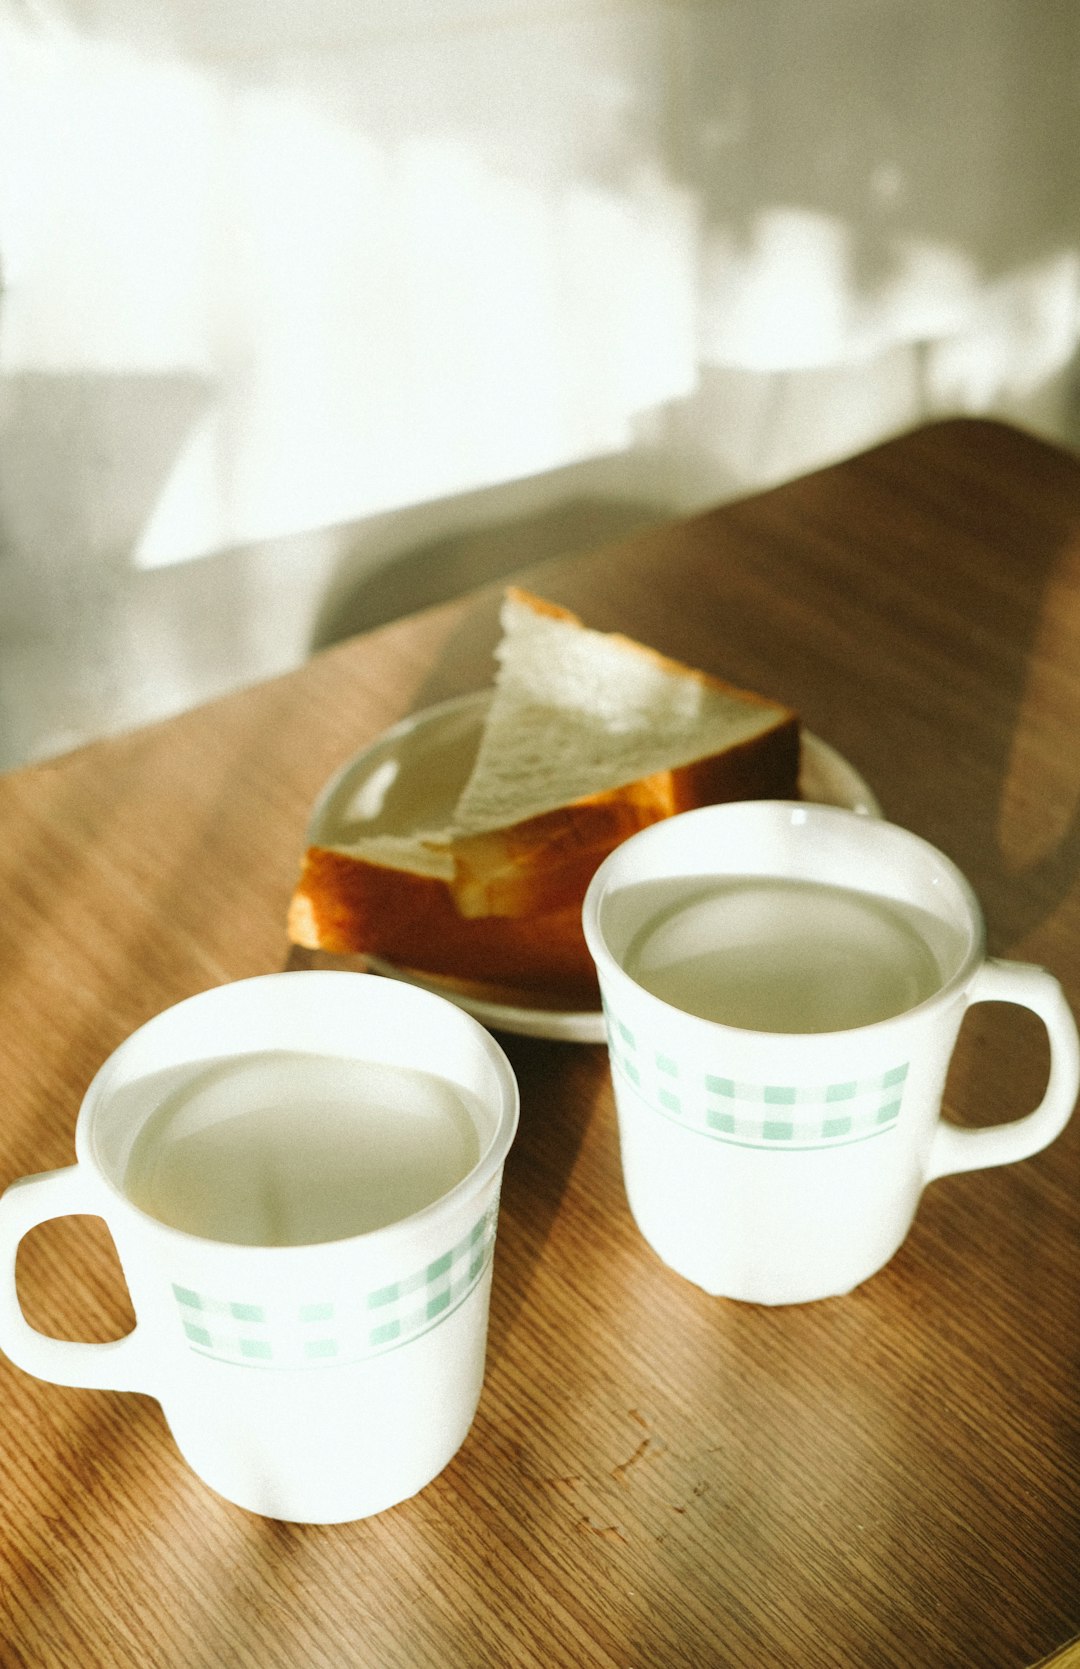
(106,168)
(1023,331)
(392,300)
(789,298)
(380,324)
(792,294)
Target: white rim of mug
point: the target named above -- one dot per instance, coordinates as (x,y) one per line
(471,1184)
(611,969)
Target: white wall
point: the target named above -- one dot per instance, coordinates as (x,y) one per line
(295,289)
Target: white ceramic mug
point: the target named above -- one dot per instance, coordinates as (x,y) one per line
(320,1382)
(779,1167)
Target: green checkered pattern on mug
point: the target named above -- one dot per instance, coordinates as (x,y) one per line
(781,1117)
(337,1329)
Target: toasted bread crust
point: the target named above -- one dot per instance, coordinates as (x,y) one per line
(348,906)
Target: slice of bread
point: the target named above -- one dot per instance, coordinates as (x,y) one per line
(589,737)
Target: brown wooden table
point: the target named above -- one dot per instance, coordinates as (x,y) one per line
(655,1478)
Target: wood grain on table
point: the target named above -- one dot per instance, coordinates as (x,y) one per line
(655,1478)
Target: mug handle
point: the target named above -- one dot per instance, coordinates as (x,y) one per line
(957,1149)
(117,1365)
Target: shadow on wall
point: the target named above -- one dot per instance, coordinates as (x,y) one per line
(83,458)
(448,567)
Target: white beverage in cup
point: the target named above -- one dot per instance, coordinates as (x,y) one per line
(287,1149)
(301,1176)
(781,955)
(783,985)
